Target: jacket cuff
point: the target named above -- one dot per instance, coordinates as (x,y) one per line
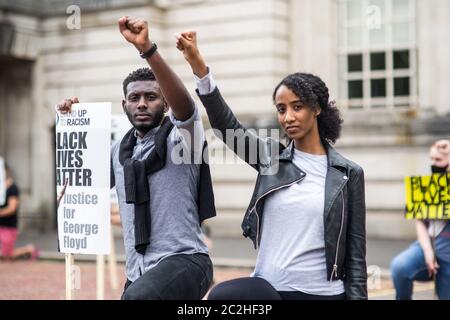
(214,93)
(211,100)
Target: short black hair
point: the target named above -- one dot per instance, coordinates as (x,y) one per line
(313,92)
(141,74)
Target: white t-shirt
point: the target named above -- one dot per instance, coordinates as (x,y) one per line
(292,250)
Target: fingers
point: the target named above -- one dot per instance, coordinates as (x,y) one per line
(444,148)
(183,41)
(136,24)
(178,43)
(135,31)
(443,145)
(127,26)
(65,106)
(189,35)
(179,46)
(123,24)
(186,41)
(432,268)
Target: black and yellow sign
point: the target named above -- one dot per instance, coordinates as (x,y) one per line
(428,197)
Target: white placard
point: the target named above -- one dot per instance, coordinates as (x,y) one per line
(120,125)
(2,182)
(83,157)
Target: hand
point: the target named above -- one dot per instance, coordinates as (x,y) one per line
(135,31)
(432,265)
(187,43)
(443,146)
(65,106)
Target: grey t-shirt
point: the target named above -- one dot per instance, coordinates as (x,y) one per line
(292,251)
(175,225)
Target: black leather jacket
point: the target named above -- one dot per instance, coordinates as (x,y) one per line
(344,214)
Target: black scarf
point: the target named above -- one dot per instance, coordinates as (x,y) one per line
(137,189)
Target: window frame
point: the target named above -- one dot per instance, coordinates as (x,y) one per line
(391,101)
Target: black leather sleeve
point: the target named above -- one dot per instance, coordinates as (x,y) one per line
(355,258)
(245,143)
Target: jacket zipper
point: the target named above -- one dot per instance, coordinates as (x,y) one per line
(335,266)
(265,194)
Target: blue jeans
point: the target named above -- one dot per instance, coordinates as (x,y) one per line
(409,266)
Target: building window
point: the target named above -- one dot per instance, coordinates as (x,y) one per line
(377,54)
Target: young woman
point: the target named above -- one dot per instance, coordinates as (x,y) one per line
(307,212)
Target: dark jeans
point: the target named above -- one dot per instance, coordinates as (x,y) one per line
(178,277)
(254,288)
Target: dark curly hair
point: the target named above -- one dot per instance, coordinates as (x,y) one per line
(313,92)
(141,74)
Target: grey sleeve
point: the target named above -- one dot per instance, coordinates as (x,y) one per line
(112,178)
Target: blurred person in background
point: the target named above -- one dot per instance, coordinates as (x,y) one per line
(8,224)
(428,258)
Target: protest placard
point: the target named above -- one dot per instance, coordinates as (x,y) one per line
(83,160)
(428,197)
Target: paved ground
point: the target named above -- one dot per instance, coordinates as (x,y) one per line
(46,280)
(232,258)
(43,280)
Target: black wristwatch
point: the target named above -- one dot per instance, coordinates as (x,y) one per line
(149,52)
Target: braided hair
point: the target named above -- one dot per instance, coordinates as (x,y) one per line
(313,92)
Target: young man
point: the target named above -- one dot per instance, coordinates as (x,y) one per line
(162,201)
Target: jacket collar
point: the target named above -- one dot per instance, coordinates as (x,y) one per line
(334,158)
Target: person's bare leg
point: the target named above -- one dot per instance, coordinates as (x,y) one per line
(27,250)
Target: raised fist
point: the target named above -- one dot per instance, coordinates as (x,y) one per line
(135,31)
(187,43)
(443,146)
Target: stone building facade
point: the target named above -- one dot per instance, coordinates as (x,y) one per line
(385,62)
